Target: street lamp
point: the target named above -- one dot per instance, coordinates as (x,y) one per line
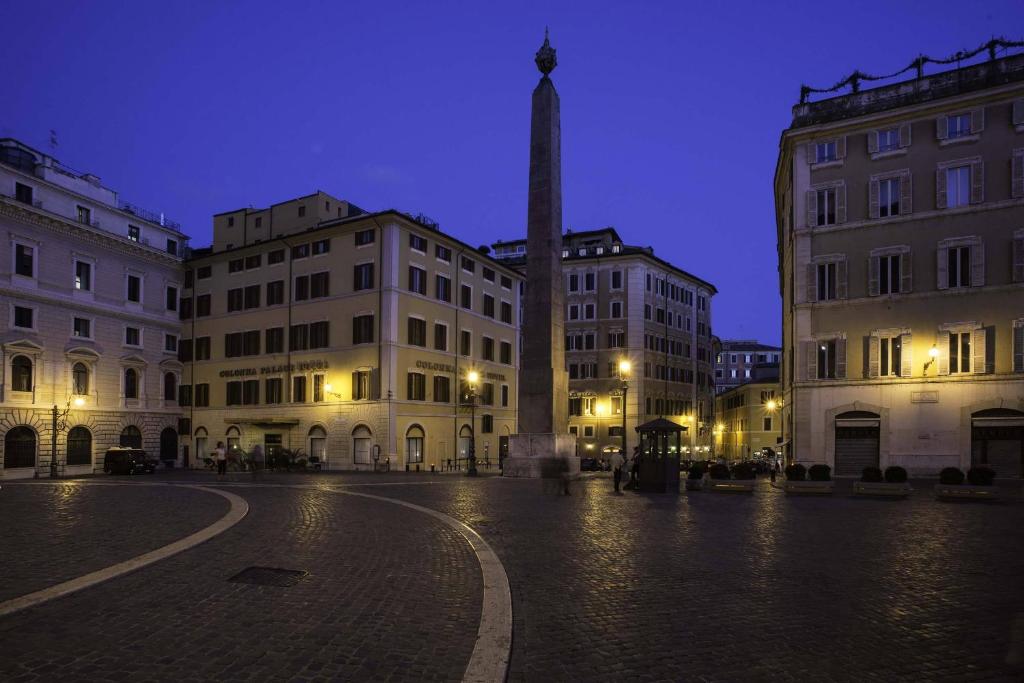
(472,378)
(624,368)
(59,424)
(772,405)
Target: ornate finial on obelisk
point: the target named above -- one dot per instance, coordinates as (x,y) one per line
(545,58)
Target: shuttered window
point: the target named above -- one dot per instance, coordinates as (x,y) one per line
(889,354)
(1018,256)
(959,182)
(825,358)
(890,194)
(826,279)
(889,271)
(1018,345)
(963,349)
(961,263)
(826,204)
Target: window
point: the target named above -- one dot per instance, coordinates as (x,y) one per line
(82,327)
(414,445)
(321,246)
(506,282)
(83,276)
(300,251)
(362,329)
(364,237)
(825,151)
(488,349)
(233,394)
(826,206)
(826,281)
(202,305)
(203,348)
(360,385)
(302,212)
(363,277)
(275,292)
(236,299)
(488,274)
(21,373)
(298,338)
(232,344)
(170,386)
(958,126)
(443,253)
(616,340)
(236,265)
(889,274)
(487,394)
(185,312)
(133,233)
(465,342)
(301,290)
(320,335)
(132,336)
(276,256)
(319,285)
(504,395)
(506,353)
(272,390)
(467,297)
(299,389)
(827,359)
(417,280)
(574,282)
(488,305)
(24,261)
(468,265)
(85,215)
(23,317)
(616,279)
(506,312)
(318,388)
(442,389)
(172,298)
(890,356)
(616,309)
(253,261)
(590,311)
(443,288)
(959,352)
(171,343)
(590,282)
(958,186)
(417,243)
(888,140)
(23,193)
(888,197)
(766,424)
(258,222)
(416,386)
(185,349)
(417,328)
(204,272)
(486,424)
(185,395)
(131,383)
(958,268)
(134,288)
(275,340)
(440,337)
(202,395)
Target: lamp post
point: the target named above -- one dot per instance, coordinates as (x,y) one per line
(59,423)
(772,405)
(472,377)
(624,368)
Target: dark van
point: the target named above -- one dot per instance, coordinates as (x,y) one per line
(128,461)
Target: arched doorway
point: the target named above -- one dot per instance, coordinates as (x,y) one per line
(465,442)
(169,444)
(361,437)
(131,437)
(857,440)
(503,445)
(318,447)
(414,445)
(19,448)
(201,438)
(79,446)
(997,440)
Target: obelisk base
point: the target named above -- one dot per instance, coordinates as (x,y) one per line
(533,456)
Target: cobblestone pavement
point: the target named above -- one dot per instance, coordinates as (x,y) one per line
(703,586)
(52,532)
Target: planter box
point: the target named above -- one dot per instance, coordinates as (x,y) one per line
(733,485)
(966,492)
(694,484)
(810,488)
(882,489)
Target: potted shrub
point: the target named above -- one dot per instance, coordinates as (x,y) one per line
(892,484)
(695,477)
(979,485)
(741,479)
(819,482)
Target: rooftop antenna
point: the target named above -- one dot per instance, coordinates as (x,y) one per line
(53,139)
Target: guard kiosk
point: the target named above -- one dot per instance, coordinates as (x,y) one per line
(660,445)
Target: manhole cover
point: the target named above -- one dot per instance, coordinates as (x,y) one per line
(269,576)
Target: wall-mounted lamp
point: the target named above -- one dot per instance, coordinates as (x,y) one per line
(933,353)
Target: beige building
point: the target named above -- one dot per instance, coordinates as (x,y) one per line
(747,419)
(736,361)
(623,303)
(900,217)
(90,287)
(315,326)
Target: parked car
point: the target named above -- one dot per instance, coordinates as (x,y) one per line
(124,460)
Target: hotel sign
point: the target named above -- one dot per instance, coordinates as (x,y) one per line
(445,367)
(304,366)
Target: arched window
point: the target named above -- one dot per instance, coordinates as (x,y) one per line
(131,437)
(79,446)
(465,442)
(170,386)
(414,444)
(21,373)
(131,383)
(361,445)
(80,379)
(234,438)
(201,437)
(20,448)
(318,445)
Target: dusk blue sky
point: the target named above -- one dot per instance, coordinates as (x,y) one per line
(671,112)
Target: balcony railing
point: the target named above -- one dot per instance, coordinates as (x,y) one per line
(151,216)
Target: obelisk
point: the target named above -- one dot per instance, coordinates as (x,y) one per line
(543,380)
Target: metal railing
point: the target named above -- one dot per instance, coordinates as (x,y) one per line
(151,216)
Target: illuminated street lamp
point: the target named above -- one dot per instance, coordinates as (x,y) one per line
(624,368)
(472,378)
(772,405)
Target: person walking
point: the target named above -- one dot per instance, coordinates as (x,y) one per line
(257,459)
(634,470)
(618,462)
(221,456)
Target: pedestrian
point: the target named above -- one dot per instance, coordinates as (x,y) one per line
(774,470)
(257,459)
(618,462)
(634,470)
(221,456)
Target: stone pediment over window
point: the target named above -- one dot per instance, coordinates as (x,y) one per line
(132,359)
(82,352)
(23,344)
(170,364)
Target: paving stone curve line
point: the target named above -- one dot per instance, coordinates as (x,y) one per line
(238,510)
(493,649)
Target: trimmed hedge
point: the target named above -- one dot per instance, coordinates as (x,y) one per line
(951,476)
(895,475)
(744,470)
(696,471)
(719,471)
(820,473)
(796,473)
(871,475)
(981,476)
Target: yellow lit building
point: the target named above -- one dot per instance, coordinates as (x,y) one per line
(747,419)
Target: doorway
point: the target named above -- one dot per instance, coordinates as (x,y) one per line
(272,445)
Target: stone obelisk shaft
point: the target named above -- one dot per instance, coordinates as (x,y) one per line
(543,380)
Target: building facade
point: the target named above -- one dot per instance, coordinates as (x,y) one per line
(735,362)
(623,303)
(748,419)
(901,259)
(349,337)
(90,288)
